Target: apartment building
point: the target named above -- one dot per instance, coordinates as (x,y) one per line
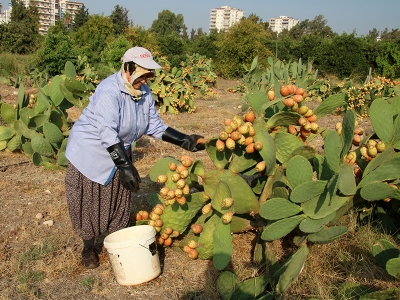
(49,12)
(283,22)
(224,17)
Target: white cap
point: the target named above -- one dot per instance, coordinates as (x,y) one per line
(142,57)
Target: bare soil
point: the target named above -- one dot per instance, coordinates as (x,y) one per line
(38,261)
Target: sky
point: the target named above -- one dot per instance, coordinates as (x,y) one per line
(343,16)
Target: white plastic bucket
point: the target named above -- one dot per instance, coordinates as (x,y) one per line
(133,254)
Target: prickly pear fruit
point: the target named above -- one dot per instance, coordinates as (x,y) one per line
(227,217)
(235,135)
(260,166)
(284,90)
(252,131)
(157,210)
(168,230)
(180,168)
(192,244)
(180,184)
(158,223)
(175,177)
(154,216)
(292,129)
(234,125)
(372,151)
(193,254)
(356,140)
(302,121)
(380,146)
(196,228)
(250,148)
(172,166)
(303,109)
(271,95)
(258,145)
(223,136)
(249,116)
(162,178)
(230,144)
(289,102)
(175,233)
(309,113)
(184,174)
(243,129)
(186,190)
(168,242)
(312,118)
(186,249)
(228,129)
(181,200)
(206,208)
(227,122)
(227,202)
(297,98)
(186,160)
(220,145)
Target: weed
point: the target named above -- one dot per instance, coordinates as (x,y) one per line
(38,251)
(89,283)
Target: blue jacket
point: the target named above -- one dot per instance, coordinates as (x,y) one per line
(110,117)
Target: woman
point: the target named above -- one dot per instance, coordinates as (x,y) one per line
(100,175)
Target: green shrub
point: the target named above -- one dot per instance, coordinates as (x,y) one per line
(113,52)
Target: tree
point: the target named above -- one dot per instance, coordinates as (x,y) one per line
(373,34)
(244,41)
(167,23)
(57,49)
(119,18)
(93,36)
(318,26)
(67,19)
(390,35)
(21,35)
(205,44)
(138,36)
(81,17)
(112,53)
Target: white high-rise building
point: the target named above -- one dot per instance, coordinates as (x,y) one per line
(49,12)
(224,17)
(281,23)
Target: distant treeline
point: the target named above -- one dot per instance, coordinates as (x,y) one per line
(103,40)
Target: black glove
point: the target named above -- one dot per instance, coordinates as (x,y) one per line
(192,142)
(128,175)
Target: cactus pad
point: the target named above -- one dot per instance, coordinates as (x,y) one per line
(307,191)
(222,246)
(298,171)
(327,235)
(278,208)
(285,144)
(310,226)
(281,228)
(379,190)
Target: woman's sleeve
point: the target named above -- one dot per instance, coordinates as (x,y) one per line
(156,126)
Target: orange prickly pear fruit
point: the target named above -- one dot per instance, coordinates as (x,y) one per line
(271,95)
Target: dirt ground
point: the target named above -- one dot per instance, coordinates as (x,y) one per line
(39,261)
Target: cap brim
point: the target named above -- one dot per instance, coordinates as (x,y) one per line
(149,64)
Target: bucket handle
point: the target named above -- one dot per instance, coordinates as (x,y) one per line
(152,248)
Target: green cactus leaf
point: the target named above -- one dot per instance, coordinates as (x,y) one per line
(64,145)
(42,103)
(308,190)
(328,234)
(23,130)
(258,183)
(58,118)
(37,159)
(305,151)
(285,144)
(348,131)
(27,148)
(222,191)
(154,198)
(383,251)
(347,182)
(6,133)
(393,267)
(323,205)
(76,87)
(389,170)
(378,190)
(21,96)
(241,224)
(38,121)
(3,145)
(280,192)
(245,200)
(219,159)
(178,217)
(250,288)
(242,160)
(69,70)
(205,244)
(396,137)
(8,113)
(53,134)
(222,246)
(382,120)
(333,147)
(226,284)
(257,99)
(14,143)
(281,228)
(291,270)
(278,208)
(268,151)
(61,159)
(53,90)
(379,160)
(310,226)
(381,295)
(298,171)
(161,167)
(283,118)
(25,115)
(71,97)
(197,168)
(42,146)
(329,105)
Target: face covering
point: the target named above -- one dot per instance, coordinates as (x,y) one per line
(139,71)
